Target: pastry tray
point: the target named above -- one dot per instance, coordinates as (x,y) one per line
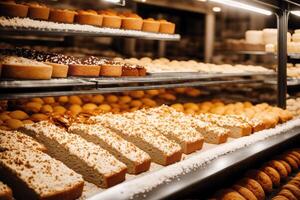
(35,27)
(202,168)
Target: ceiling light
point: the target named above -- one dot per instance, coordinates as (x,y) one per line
(243,6)
(296,12)
(216,9)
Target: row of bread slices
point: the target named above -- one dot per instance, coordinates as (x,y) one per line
(105,149)
(23,68)
(105,18)
(258,184)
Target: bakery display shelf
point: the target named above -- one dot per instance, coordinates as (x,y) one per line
(94,32)
(63,82)
(209,167)
(93,88)
(290,82)
(176,77)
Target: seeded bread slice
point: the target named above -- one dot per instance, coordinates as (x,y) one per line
(5,192)
(96,165)
(35,175)
(211,133)
(186,136)
(15,139)
(137,161)
(238,128)
(161,150)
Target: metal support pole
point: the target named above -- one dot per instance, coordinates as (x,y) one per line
(282,20)
(209,36)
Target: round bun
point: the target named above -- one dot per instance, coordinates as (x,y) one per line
(294,157)
(246,193)
(273,174)
(229,194)
(279,167)
(262,178)
(279,197)
(296,153)
(295,190)
(287,166)
(291,161)
(288,194)
(253,186)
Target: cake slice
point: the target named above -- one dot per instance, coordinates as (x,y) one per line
(161,150)
(96,165)
(5,192)
(137,161)
(35,175)
(211,133)
(256,123)
(238,128)
(186,136)
(16,140)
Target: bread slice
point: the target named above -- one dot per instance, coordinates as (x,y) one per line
(89,189)
(137,161)
(5,192)
(35,175)
(211,133)
(161,150)
(186,136)
(96,165)
(255,123)
(238,128)
(17,140)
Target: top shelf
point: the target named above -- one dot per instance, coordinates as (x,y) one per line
(28,26)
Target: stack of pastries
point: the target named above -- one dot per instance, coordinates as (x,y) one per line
(16,63)
(261,183)
(100,18)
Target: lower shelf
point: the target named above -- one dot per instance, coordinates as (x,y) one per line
(201,169)
(13,89)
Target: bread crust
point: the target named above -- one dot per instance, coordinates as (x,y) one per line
(229,194)
(115,179)
(279,167)
(59,70)
(254,187)
(273,174)
(84,70)
(167,27)
(262,178)
(111,70)
(63,16)
(110,21)
(132,23)
(35,12)
(26,71)
(13,9)
(279,197)
(150,26)
(246,193)
(288,194)
(176,157)
(294,189)
(89,19)
(287,166)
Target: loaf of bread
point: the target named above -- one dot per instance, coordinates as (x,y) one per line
(161,150)
(137,161)
(211,133)
(17,140)
(186,136)
(35,175)
(5,192)
(96,165)
(237,127)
